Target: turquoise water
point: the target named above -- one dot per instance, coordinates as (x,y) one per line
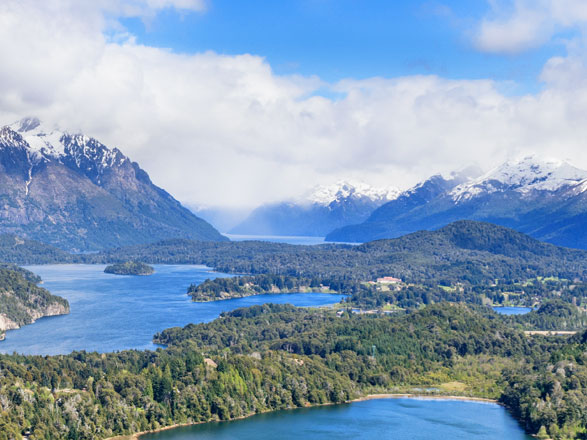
(114,312)
(397,419)
(512,310)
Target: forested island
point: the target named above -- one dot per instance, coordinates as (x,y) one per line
(239,287)
(276,356)
(130,268)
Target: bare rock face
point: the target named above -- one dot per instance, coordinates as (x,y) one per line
(71,191)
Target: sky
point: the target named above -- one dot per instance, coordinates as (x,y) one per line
(235,104)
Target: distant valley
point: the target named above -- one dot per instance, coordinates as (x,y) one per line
(316,214)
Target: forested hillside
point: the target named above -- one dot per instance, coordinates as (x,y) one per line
(462,251)
(274,357)
(22,301)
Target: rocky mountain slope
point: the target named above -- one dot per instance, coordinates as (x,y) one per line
(544,198)
(74,192)
(316,214)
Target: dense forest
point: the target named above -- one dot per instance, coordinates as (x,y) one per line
(129,268)
(273,357)
(22,251)
(465,251)
(22,301)
(238,287)
(464,261)
(552,315)
(373,295)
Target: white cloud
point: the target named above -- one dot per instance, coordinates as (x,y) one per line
(226,130)
(517,25)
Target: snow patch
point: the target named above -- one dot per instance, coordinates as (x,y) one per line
(343,189)
(48,142)
(524,175)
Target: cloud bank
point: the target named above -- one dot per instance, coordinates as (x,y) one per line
(515,26)
(221,130)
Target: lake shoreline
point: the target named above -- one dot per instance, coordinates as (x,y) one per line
(368,397)
(422,396)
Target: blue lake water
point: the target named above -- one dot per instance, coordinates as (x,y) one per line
(278,239)
(512,310)
(397,419)
(114,312)
(289,239)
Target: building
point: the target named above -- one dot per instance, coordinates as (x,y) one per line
(388,280)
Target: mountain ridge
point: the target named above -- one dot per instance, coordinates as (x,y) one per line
(546,199)
(72,191)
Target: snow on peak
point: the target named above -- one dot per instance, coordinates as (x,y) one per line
(49,142)
(326,194)
(43,140)
(531,173)
(11,137)
(580,188)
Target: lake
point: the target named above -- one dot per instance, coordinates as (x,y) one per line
(512,310)
(398,419)
(115,312)
(289,239)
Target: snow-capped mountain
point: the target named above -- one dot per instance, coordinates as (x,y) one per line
(72,191)
(544,198)
(345,190)
(525,175)
(78,150)
(319,211)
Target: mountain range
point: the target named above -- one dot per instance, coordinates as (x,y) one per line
(544,198)
(325,208)
(72,191)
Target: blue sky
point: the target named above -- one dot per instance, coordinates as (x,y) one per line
(239,103)
(338,39)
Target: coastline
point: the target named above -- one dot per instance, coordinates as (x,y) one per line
(230,296)
(138,435)
(422,396)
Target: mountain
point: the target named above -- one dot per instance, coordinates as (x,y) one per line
(325,208)
(544,198)
(72,191)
